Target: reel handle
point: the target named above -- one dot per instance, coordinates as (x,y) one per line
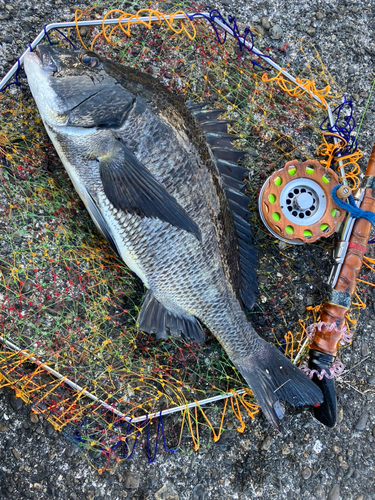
(343,192)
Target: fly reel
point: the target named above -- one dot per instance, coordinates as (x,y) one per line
(296,205)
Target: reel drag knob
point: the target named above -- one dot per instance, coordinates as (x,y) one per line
(303,201)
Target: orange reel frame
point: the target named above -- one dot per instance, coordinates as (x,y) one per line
(296,205)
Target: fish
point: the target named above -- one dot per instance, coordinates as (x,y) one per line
(162,183)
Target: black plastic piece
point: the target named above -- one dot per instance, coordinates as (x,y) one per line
(326,413)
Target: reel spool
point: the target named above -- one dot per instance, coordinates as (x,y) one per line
(296,205)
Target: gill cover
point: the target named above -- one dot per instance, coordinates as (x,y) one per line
(72,88)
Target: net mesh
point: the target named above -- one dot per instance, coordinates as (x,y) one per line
(70,345)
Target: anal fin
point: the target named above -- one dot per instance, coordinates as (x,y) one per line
(155,318)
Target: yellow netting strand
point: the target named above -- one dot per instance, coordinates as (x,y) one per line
(251,408)
(302,333)
(237,412)
(369,259)
(302,324)
(323,69)
(366,282)
(330,149)
(193,437)
(183,413)
(350,321)
(360,304)
(77,16)
(370,267)
(289,345)
(315,311)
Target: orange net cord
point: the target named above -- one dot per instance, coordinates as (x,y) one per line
(303,85)
(130,19)
(331,151)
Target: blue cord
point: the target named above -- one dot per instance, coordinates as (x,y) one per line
(150,458)
(232,24)
(344,130)
(351,207)
(172,450)
(62,34)
(16,82)
(46,33)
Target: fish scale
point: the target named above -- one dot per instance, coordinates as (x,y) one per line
(187,265)
(151,182)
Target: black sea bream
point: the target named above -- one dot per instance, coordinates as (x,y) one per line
(162,184)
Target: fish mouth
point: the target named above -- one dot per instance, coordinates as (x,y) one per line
(45,57)
(43,69)
(56,60)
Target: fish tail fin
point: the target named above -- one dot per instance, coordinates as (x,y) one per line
(272,378)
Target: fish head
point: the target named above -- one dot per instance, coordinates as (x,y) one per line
(75,89)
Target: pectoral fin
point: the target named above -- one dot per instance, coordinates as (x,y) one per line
(130,187)
(99,220)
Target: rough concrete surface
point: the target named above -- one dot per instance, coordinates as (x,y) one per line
(308,460)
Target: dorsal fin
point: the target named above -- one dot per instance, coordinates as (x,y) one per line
(194,107)
(233,175)
(215,126)
(220,139)
(207,115)
(248,259)
(230,182)
(240,209)
(227,153)
(232,169)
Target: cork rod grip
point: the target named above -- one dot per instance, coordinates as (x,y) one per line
(370,171)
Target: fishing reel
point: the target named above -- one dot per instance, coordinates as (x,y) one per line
(295,203)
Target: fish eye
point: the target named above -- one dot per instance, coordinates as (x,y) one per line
(89,61)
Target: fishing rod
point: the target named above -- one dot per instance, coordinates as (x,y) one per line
(331,331)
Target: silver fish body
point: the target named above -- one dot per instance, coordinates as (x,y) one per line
(143,167)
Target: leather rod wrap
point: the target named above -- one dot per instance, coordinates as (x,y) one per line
(326,341)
